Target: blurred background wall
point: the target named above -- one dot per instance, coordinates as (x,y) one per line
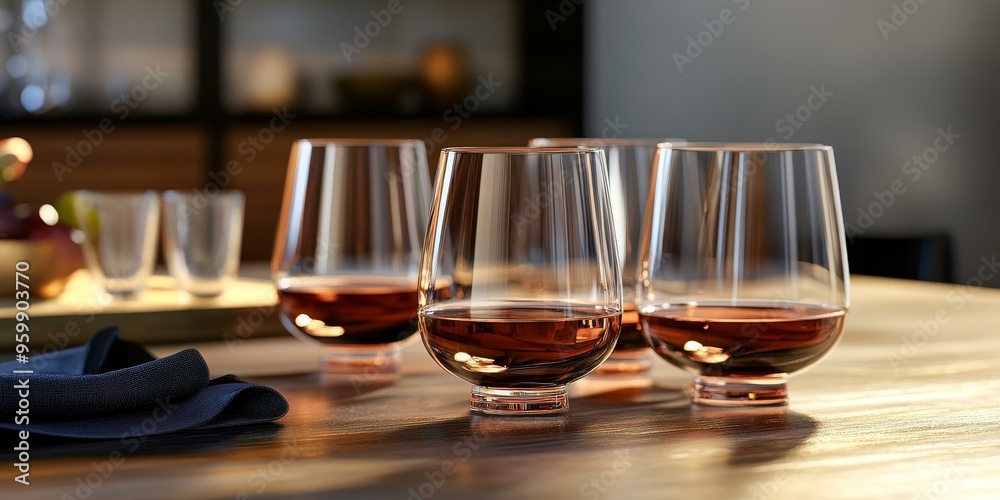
(939,68)
(886,80)
(208,94)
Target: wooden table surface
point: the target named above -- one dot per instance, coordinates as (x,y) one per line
(893,412)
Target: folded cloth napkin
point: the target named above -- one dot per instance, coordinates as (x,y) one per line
(114,389)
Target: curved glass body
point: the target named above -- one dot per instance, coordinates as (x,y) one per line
(630,164)
(347,249)
(743,276)
(520,289)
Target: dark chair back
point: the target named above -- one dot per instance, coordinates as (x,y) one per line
(925,258)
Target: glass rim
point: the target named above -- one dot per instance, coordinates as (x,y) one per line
(744,147)
(195,192)
(601,142)
(136,193)
(358,142)
(518,150)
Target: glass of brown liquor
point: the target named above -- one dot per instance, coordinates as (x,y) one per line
(347,249)
(520,287)
(630,164)
(743,275)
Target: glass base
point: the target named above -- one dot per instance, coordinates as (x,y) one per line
(203,287)
(494,401)
(732,391)
(107,296)
(626,362)
(202,294)
(361,367)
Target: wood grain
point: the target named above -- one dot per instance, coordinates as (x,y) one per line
(891,413)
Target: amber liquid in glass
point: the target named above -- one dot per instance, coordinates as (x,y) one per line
(351,311)
(520,344)
(631,338)
(744,341)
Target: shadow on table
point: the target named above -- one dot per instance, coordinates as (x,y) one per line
(652,421)
(628,416)
(334,387)
(753,435)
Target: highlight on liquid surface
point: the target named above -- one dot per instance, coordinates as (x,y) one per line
(350,310)
(519,344)
(745,340)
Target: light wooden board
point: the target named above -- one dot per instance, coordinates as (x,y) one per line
(161,314)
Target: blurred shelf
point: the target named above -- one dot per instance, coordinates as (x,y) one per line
(300,115)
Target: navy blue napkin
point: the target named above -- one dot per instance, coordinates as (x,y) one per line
(111,389)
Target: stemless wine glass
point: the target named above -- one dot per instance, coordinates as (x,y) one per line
(743,275)
(520,290)
(629,168)
(347,250)
(119,239)
(201,239)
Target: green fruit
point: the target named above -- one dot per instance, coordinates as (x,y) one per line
(65,206)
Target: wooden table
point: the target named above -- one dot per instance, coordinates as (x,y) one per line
(892,413)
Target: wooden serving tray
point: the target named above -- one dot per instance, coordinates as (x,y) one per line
(161,314)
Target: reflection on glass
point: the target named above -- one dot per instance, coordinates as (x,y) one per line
(629,168)
(346,254)
(743,275)
(520,288)
(119,238)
